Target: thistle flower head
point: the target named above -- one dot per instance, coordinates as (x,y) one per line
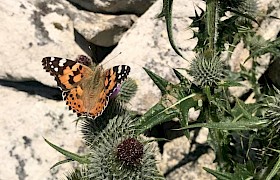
(118,153)
(130,151)
(255,42)
(76,174)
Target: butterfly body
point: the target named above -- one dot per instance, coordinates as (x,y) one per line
(86,90)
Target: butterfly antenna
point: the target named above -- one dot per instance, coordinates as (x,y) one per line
(112,58)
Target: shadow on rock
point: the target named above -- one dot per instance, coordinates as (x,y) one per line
(33,87)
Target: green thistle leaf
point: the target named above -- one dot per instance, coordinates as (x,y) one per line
(167,13)
(236,126)
(159,81)
(275,169)
(68,154)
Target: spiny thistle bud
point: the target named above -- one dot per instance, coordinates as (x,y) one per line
(206,72)
(130,151)
(249,7)
(127,91)
(84,60)
(76,174)
(255,42)
(273,111)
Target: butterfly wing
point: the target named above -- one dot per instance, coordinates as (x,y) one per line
(67,73)
(85,102)
(113,77)
(99,107)
(69,76)
(74,100)
(72,78)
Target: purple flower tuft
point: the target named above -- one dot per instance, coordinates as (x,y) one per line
(130,151)
(116,91)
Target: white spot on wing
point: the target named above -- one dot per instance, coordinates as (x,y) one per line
(61,62)
(119,70)
(52,58)
(55,69)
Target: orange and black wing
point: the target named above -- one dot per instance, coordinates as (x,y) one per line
(67,73)
(113,77)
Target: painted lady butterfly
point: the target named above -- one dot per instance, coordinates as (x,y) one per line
(86,90)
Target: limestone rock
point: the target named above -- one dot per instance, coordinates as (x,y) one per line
(270,27)
(103,30)
(115,6)
(33,30)
(146,45)
(25,122)
(28,34)
(182,161)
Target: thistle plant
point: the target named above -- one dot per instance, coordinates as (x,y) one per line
(115,151)
(244,137)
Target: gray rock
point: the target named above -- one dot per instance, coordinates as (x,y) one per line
(270,27)
(146,45)
(115,6)
(180,161)
(28,33)
(25,121)
(270,30)
(33,30)
(103,30)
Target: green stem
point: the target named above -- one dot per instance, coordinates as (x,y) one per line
(214,134)
(215,139)
(212,26)
(212,23)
